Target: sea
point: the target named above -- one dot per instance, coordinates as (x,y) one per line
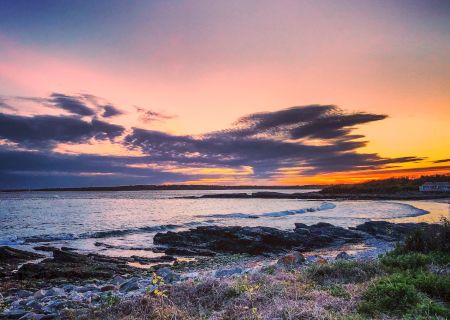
(124,223)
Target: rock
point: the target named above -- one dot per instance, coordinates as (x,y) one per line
(129,285)
(69,287)
(254,240)
(221,273)
(40,294)
(44,248)
(23,293)
(37,316)
(75,266)
(291,260)
(88,287)
(189,251)
(8,254)
(168,274)
(395,231)
(13,314)
(117,280)
(108,287)
(343,256)
(56,292)
(34,305)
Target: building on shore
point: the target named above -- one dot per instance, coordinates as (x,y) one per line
(435,187)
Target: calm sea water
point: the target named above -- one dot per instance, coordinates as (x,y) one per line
(124,223)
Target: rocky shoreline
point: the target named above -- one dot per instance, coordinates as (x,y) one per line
(34,286)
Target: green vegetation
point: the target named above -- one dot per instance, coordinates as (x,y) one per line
(343,272)
(392,185)
(409,288)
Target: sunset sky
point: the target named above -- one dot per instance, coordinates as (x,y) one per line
(112,92)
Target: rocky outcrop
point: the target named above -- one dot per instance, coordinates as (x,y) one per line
(394,231)
(74,266)
(209,240)
(254,240)
(8,254)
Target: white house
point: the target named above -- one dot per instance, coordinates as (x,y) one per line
(435,187)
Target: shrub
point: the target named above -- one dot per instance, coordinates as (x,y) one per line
(432,284)
(403,293)
(343,272)
(412,260)
(389,297)
(435,239)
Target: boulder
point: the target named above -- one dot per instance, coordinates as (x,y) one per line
(130,285)
(343,256)
(291,260)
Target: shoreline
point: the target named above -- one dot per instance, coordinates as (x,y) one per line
(80,282)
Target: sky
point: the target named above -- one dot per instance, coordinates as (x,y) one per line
(109,92)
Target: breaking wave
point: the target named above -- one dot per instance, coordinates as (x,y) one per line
(321,207)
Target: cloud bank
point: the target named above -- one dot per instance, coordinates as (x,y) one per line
(300,141)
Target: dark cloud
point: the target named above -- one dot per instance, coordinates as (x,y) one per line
(46,131)
(268,141)
(72,104)
(309,140)
(34,169)
(146,115)
(442,160)
(312,121)
(110,111)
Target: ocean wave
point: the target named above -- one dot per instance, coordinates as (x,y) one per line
(321,207)
(412,211)
(102,234)
(11,241)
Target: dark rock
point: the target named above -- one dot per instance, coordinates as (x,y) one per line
(75,266)
(37,316)
(343,256)
(23,293)
(13,314)
(130,285)
(207,240)
(44,248)
(8,254)
(394,231)
(168,274)
(108,287)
